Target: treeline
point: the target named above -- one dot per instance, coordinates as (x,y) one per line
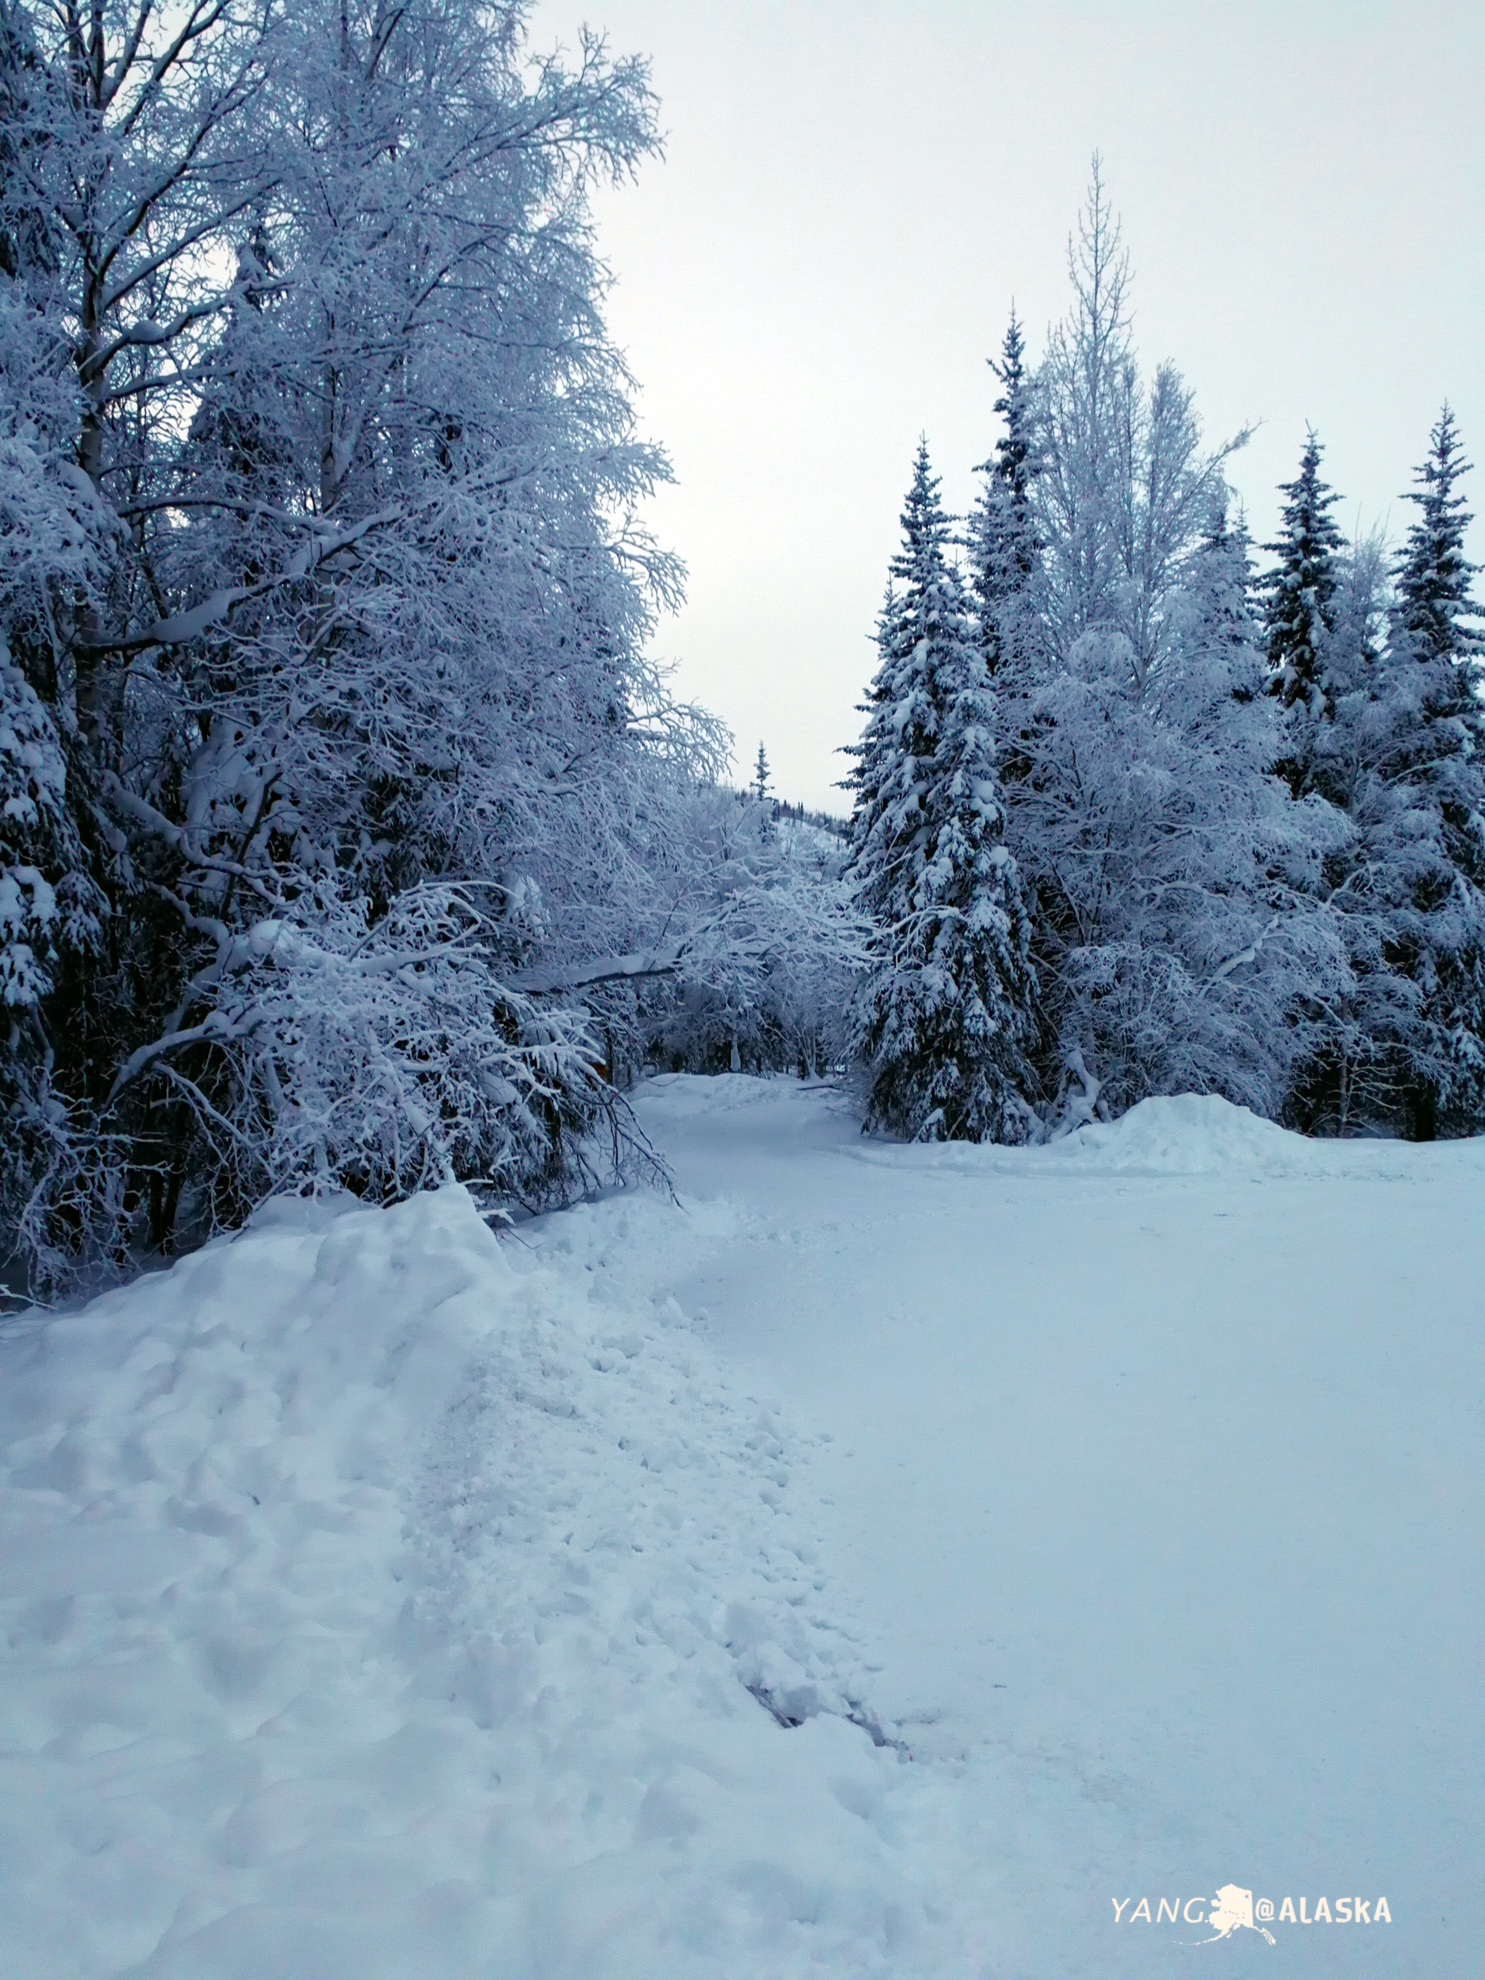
(781,810)
(823,821)
(347,837)
(1137,813)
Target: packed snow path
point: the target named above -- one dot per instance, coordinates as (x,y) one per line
(381,1601)
(1157,1467)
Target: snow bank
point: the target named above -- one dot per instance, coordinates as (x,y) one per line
(1197,1134)
(384,1601)
(1187,1134)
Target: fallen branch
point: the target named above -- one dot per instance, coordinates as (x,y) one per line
(608,969)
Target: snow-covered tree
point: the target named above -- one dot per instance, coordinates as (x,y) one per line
(1178,946)
(1141,807)
(1124,484)
(54,533)
(364,733)
(1005,551)
(412,462)
(945,1018)
(1300,610)
(1004,558)
(1397,753)
(1437,650)
(1434,605)
(771,945)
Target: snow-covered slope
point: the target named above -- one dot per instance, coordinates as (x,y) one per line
(381,1599)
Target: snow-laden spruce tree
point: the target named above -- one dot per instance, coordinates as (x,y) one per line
(1437,647)
(1005,549)
(945,1020)
(1300,612)
(1436,613)
(1390,734)
(1005,563)
(1326,740)
(55,535)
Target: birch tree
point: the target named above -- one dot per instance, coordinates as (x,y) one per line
(364,730)
(1125,484)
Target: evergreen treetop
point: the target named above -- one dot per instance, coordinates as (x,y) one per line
(923,622)
(1218,587)
(1015,461)
(1004,546)
(1301,589)
(1433,573)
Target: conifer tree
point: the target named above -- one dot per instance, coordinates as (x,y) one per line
(1005,561)
(1004,547)
(54,540)
(945,1017)
(1430,773)
(1433,574)
(761,789)
(1299,611)
(1399,758)
(1431,629)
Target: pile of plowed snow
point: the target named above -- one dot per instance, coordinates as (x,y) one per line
(382,1600)
(1188,1134)
(1185,1134)
(1196,1134)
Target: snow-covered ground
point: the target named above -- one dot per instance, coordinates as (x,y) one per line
(385,1600)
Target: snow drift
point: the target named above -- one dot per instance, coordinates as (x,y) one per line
(376,1607)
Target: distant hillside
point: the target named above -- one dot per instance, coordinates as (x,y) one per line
(823,821)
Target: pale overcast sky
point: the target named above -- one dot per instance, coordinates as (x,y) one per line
(855,190)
